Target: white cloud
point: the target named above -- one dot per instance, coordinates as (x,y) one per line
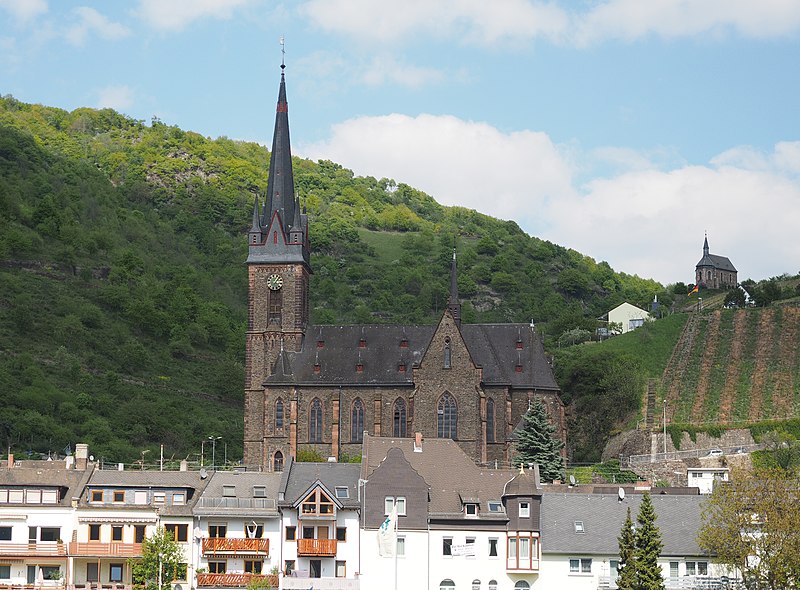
(383,69)
(24,10)
(646,218)
(118,97)
(92,21)
(512,21)
(174,15)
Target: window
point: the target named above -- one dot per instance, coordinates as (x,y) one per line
(446,585)
(229,491)
(180,532)
(447,417)
(277,463)
(279,414)
(288,567)
(116,533)
(180,571)
(5,533)
(5,572)
(49,533)
(50,572)
(315,421)
(342,492)
(580,566)
(92,572)
(138,533)
(399,418)
(217,567)
(492,584)
(119,496)
(471,509)
(308,532)
(94,532)
(357,422)
(254,530)
(159,497)
(15,496)
(317,503)
(390,501)
(476,585)
(448,354)
(49,497)
(259,492)
(673,569)
(524,548)
(178,498)
(495,506)
(291,533)
(471,549)
(493,547)
(579,526)
(341,533)
(253,566)
(447,546)
(33,496)
(341,569)
(696,568)
(522,585)
(115,572)
(490,420)
(96,496)
(401,546)
(140,497)
(524,510)
(512,549)
(217,531)
(275,300)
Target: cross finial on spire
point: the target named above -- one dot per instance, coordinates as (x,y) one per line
(283,53)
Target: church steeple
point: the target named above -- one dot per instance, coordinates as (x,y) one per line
(705,246)
(280,186)
(453,304)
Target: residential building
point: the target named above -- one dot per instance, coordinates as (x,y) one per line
(705,478)
(323,386)
(715,272)
(238,535)
(627,317)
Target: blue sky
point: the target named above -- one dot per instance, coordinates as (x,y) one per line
(621,128)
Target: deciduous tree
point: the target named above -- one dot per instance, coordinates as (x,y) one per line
(162,562)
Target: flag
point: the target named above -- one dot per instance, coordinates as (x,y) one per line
(387,534)
(695,290)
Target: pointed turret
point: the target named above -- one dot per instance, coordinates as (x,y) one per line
(705,246)
(254,235)
(280,187)
(452,303)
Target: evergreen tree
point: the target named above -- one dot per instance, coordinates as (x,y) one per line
(536,443)
(626,578)
(647,548)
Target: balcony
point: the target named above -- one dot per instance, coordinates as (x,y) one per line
(217,546)
(234,580)
(33,550)
(95,549)
(684,583)
(316,547)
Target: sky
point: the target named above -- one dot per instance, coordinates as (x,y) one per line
(625,129)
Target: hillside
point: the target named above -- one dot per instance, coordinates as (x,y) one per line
(122,282)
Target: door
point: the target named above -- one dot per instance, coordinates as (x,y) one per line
(322,532)
(31,574)
(316,568)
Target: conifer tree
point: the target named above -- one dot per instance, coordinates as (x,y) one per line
(536,443)
(626,570)
(648,548)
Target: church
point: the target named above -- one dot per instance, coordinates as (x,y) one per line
(715,272)
(322,387)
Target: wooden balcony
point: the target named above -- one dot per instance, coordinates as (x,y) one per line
(33,549)
(96,549)
(233,580)
(316,547)
(216,546)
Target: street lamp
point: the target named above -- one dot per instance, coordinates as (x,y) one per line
(214,440)
(143,454)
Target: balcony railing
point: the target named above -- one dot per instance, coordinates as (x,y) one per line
(33,549)
(95,549)
(249,503)
(248,546)
(683,583)
(316,547)
(234,580)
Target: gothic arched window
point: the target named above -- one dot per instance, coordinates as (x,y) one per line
(357,422)
(277,461)
(447,415)
(315,421)
(490,420)
(399,415)
(279,414)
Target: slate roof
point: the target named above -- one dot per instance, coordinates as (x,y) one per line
(299,477)
(450,474)
(213,501)
(46,474)
(336,350)
(718,262)
(678,518)
(190,480)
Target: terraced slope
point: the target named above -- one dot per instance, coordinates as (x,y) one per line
(734,366)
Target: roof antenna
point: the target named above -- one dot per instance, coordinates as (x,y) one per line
(283,54)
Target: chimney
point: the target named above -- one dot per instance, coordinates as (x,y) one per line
(69,462)
(10,460)
(417,442)
(81,456)
(184,465)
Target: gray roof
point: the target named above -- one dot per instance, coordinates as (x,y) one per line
(46,474)
(452,476)
(213,502)
(300,477)
(337,350)
(678,518)
(718,262)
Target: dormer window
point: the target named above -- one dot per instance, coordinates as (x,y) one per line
(229,491)
(317,368)
(401,367)
(471,509)
(518,368)
(495,506)
(320,344)
(259,492)
(317,503)
(404,343)
(519,344)
(96,496)
(524,509)
(342,492)
(362,343)
(579,526)
(360,368)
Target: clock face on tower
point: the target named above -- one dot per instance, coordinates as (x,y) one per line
(274,282)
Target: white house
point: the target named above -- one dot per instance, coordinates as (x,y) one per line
(704,478)
(628,316)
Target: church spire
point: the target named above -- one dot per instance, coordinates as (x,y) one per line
(280,186)
(452,304)
(705,246)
